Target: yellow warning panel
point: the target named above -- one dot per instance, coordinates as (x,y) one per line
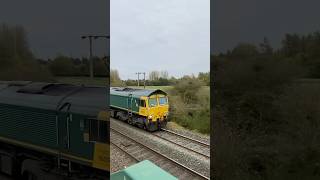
(101,159)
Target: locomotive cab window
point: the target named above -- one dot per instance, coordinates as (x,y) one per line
(142,103)
(152,102)
(98,130)
(163,100)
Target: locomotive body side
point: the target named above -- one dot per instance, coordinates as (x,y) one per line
(58,122)
(146,108)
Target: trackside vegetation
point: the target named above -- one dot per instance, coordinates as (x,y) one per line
(265,111)
(190,104)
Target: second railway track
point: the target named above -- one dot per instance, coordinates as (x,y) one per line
(140,151)
(194,145)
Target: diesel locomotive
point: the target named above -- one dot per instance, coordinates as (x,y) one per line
(148,109)
(56,129)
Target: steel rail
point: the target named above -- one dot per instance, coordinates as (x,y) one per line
(136,159)
(185,147)
(186,137)
(162,155)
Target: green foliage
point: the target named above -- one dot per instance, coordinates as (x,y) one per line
(62,66)
(187,89)
(300,125)
(100,67)
(115,78)
(68,66)
(17,61)
(161,78)
(194,118)
(190,105)
(204,77)
(245,50)
(266,123)
(304,49)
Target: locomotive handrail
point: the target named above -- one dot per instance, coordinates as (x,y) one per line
(68,105)
(66,96)
(64,105)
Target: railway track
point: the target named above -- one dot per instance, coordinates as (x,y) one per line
(194,145)
(140,151)
(186,137)
(125,152)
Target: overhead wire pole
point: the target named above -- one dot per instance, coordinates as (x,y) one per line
(90,58)
(138,78)
(90,48)
(144,79)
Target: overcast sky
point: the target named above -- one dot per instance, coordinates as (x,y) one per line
(237,21)
(150,35)
(172,35)
(55,27)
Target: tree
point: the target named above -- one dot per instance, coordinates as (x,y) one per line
(154,75)
(291,45)
(13,45)
(62,66)
(187,88)
(245,50)
(100,67)
(204,77)
(265,47)
(16,59)
(115,78)
(164,75)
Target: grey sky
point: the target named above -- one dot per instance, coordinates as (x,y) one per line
(172,35)
(55,27)
(237,21)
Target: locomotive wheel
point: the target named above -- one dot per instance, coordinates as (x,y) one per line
(151,127)
(130,121)
(140,125)
(148,128)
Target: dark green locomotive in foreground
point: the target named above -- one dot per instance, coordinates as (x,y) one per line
(146,108)
(62,126)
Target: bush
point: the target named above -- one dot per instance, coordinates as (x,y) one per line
(262,118)
(297,143)
(194,116)
(187,88)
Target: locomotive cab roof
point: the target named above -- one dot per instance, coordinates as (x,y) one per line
(135,92)
(51,96)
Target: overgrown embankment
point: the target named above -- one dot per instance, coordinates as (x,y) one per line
(266,122)
(190,105)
